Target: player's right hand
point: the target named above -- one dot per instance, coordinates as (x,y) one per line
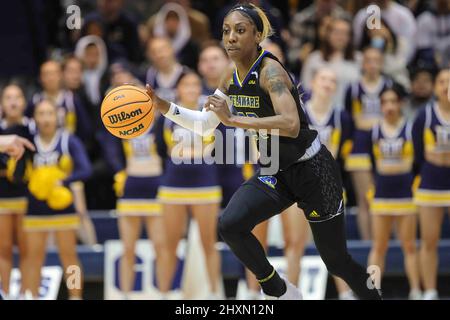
(160,104)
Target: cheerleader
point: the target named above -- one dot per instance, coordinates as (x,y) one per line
(335,129)
(431,137)
(165,70)
(362,102)
(12,188)
(190,185)
(58,165)
(389,145)
(72,114)
(136,183)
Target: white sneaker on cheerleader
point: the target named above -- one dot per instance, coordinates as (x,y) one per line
(430,295)
(292,293)
(415,294)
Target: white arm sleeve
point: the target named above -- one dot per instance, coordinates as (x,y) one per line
(201,122)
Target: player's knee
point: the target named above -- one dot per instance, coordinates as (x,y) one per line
(223,226)
(228,224)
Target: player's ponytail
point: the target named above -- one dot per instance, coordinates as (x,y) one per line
(267,27)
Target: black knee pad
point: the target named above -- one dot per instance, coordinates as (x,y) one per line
(232,220)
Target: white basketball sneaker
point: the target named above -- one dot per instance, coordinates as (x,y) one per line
(292,293)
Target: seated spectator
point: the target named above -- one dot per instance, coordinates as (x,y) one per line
(304,28)
(91,50)
(336,53)
(422,80)
(73,81)
(172,21)
(433,34)
(198,22)
(93,27)
(395,50)
(120,72)
(119,30)
(399,18)
(165,70)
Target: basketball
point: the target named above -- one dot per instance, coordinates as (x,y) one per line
(127,111)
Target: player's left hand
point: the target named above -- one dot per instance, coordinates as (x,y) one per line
(220,107)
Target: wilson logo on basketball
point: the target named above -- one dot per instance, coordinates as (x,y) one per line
(123,116)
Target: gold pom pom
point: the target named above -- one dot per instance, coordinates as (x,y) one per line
(39,186)
(247,171)
(60,198)
(66,164)
(43,180)
(428,138)
(10,168)
(119,182)
(416,183)
(71,122)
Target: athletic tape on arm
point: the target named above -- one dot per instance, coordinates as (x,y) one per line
(201,122)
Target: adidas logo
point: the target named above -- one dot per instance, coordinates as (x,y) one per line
(176,112)
(314,214)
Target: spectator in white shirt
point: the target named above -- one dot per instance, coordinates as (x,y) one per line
(336,53)
(433,34)
(399,18)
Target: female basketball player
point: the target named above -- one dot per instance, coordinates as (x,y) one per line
(190,186)
(431,136)
(137,182)
(12,189)
(59,161)
(267,100)
(389,144)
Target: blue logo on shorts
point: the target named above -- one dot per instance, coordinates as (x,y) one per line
(271,181)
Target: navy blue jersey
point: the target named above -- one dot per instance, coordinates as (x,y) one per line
(250,100)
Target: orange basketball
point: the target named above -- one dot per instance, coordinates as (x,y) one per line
(127,111)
